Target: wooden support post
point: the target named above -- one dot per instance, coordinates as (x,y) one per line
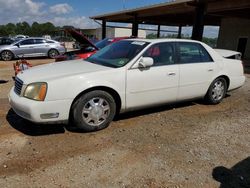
(159,31)
(179,32)
(198,26)
(103,29)
(135,27)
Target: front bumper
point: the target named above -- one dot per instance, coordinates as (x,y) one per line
(36,111)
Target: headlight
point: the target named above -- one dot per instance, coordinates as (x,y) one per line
(36,91)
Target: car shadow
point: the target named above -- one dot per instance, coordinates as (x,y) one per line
(32,58)
(236,177)
(156,109)
(32,129)
(4,81)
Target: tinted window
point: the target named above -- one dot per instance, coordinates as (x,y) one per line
(27,42)
(49,41)
(39,41)
(4,41)
(193,53)
(162,54)
(101,44)
(117,54)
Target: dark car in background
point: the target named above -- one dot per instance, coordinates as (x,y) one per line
(6,41)
(85,47)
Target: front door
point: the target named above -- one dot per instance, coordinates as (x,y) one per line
(26,48)
(157,84)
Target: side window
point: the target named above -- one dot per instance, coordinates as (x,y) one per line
(49,41)
(27,42)
(193,53)
(39,41)
(162,54)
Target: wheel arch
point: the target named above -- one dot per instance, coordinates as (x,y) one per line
(221,76)
(109,90)
(52,49)
(226,78)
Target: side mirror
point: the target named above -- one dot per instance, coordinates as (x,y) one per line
(145,62)
(18,45)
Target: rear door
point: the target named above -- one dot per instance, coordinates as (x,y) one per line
(196,70)
(41,47)
(156,84)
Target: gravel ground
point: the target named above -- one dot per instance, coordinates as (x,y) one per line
(183,145)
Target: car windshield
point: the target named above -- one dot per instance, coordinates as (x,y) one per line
(118,54)
(105,42)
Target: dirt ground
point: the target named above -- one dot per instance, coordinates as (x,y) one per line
(183,145)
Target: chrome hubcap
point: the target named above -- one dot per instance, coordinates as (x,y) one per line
(95,111)
(6,56)
(218,90)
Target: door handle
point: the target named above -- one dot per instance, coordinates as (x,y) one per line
(210,70)
(171,74)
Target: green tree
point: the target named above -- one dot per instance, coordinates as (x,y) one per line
(23,28)
(35,29)
(3,31)
(11,29)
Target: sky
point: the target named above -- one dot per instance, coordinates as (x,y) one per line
(71,12)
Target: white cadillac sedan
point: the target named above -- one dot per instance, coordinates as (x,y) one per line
(127,75)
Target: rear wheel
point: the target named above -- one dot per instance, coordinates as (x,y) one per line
(216,91)
(94,110)
(53,53)
(7,55)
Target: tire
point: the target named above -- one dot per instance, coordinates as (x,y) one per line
(94,111)
(7,55)
(216,91)
(53,53)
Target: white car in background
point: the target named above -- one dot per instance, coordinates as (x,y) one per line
(127,75)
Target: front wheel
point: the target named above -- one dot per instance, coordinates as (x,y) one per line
(53,53)
(7,55)
(216,91)
(94,110)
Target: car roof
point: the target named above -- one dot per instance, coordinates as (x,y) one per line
(163,40)
(36,38)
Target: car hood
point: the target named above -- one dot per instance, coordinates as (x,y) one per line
(80,38)
(44,73)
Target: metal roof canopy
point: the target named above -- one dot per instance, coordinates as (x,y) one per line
(181,13)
